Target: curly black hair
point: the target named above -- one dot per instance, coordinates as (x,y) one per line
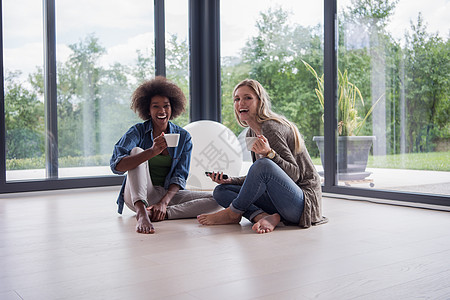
(158,86)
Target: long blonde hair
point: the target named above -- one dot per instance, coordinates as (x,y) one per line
(265,113)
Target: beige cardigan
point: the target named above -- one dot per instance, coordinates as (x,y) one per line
(298,166)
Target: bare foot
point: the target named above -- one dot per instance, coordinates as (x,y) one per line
(143,223)
(259,217)
(222,217)
(267,223)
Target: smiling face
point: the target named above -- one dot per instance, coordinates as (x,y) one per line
(160,112)
(246,104)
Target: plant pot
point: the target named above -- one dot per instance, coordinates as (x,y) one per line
(352,156)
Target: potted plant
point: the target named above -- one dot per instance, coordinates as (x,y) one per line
(353,150)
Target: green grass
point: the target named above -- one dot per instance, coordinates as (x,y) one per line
(64,162)
(433,161)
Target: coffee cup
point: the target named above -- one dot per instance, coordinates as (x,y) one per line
(172,139)
(249,141)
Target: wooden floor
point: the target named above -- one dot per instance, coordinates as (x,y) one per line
(73,245)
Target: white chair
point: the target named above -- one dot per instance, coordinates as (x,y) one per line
(215,148)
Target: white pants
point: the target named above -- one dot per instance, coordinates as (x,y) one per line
(185,204)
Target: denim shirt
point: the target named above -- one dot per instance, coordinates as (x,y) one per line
(141,135)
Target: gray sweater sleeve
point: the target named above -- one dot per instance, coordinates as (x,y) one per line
(281,140)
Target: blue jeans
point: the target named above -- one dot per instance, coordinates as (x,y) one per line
(267,188)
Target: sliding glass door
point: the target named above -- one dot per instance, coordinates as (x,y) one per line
(393,96)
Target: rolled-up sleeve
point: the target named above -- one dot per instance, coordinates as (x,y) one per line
(123,148)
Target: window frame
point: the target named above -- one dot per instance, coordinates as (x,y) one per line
(330,125)
(204,84)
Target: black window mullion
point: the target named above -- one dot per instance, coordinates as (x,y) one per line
(2,108)
(160,41)
(204,60)
(50,94)
(330,91)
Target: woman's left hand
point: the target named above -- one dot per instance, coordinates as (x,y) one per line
(261,146)
(157,211)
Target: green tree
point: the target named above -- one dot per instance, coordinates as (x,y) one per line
(427,84)
(115,113)
(374,14)
(86,76)
(177,70)
(24,120)
(145,66)
(70,129)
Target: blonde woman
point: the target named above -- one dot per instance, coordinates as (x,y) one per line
(282,185)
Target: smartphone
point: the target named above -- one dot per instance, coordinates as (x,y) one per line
(225,176)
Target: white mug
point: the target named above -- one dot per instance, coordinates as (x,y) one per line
(250,140)
(172,139)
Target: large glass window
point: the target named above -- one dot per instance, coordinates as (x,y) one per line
(103,53)
(271,41)
(24,104)
(393,62)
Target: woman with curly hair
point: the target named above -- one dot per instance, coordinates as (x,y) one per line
(282,185)
(156,178)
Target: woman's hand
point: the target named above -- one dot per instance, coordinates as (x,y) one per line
(218,178)
(158,211)
(261,146)
(159,144)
